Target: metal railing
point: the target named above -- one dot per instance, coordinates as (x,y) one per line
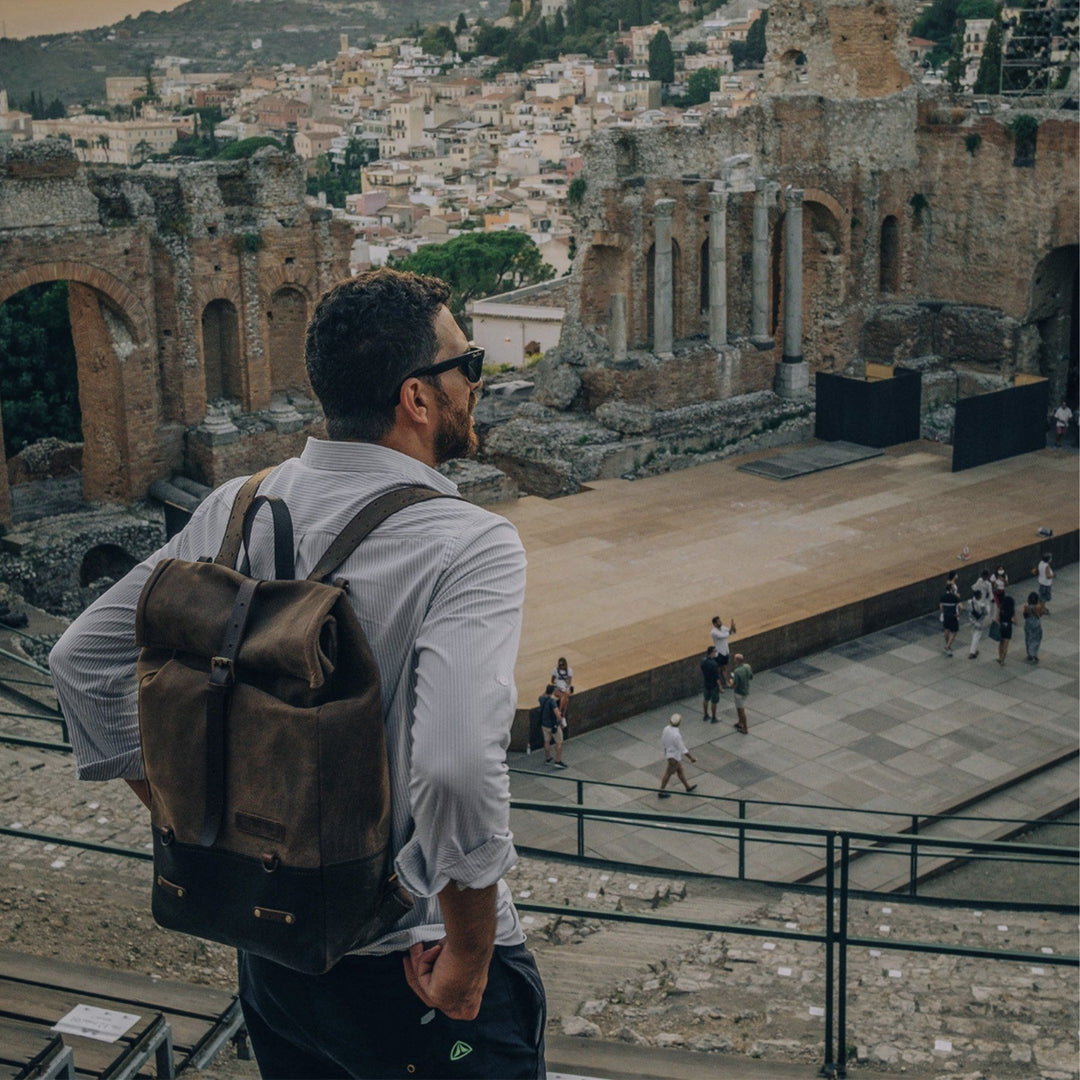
(841,847)
(913,824)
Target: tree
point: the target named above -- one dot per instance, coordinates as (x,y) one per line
(246,147)
(142,151)
(481,264)
(56,110)
(39,386)
(988,80)
(558,25)
(701,84)
(661,58)
(438,40)
(462,24)
(755,39)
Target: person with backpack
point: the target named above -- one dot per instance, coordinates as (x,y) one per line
(551,725)
(437,591)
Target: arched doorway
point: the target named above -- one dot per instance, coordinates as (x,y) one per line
(1055,294)
(221,352)
(39,400)
(286,320)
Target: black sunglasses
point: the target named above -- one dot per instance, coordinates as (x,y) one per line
(471,363)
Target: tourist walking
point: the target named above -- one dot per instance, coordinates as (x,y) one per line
(674,750)
(1006,618)
(948,605)
(979,611)
(710,674)
(562,678)
(1034,610)
(551,727)
(740,683)
(721,633)
(999,582)
(1046,577)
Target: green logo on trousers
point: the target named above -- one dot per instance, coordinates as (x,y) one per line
(459,1050)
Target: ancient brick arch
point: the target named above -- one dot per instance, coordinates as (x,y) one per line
(123,299)
(111,333)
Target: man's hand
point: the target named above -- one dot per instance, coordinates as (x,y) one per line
(451,975)
(452,984)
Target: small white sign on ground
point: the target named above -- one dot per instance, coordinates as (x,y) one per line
(93,1023)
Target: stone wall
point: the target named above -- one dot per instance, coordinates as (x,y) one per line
(145,252)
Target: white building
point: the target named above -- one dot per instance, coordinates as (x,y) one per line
(503,325)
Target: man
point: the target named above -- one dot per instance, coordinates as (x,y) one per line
(720,634)
(740,683)
(1062,418)
(1046,578)
(674,751)
(949,605)
(551,726)
(450,990)
(979,617)
(710,674)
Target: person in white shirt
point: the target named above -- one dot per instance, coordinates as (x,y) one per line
(674,750)
(721,634)
(562,678)
(979,610)
(1062,418)
(439,591)
(1046,578)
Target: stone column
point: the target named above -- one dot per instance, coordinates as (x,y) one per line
(663,284)
(793,270)
(718,331)
(792,375)
(617,326)
(759,329)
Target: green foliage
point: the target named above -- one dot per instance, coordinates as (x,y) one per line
(438,40)
(701,84)
(244,148)
(972,142)
(462,24)
(481,264)
(988,80)
(661,59)
(514,9)
(918,203)
(576,191)
(39,386)
(751,52)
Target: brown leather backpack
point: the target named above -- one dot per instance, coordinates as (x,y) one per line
(264,748)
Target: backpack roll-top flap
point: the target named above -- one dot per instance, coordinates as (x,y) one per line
(185,607)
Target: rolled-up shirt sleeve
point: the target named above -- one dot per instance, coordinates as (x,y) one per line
(93,663)
(464,706)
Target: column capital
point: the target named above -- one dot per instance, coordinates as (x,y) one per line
(794,196)
(664,208)
(718,197)
(762,183)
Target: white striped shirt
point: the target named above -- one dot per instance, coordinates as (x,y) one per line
(438,589)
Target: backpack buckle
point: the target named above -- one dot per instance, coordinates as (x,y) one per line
(222,671)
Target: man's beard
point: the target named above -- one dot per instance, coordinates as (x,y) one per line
(456,437)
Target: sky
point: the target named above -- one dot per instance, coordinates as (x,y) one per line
(25,18)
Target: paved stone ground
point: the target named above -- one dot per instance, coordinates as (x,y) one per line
(887,722)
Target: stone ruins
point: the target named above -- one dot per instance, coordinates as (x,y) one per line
(849,215)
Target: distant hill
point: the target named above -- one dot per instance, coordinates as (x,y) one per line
(214,35)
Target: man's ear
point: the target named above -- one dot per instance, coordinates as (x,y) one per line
(415,401)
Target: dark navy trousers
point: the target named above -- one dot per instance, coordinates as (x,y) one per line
(361,1019)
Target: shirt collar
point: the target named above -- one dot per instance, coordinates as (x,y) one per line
(365,457)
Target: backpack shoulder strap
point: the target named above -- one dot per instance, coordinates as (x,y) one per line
(234,531)
(370,517)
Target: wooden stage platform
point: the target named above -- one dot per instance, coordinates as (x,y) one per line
(625,577)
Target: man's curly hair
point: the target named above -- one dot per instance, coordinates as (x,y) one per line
(367,335)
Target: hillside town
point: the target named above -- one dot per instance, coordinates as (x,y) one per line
(415,140)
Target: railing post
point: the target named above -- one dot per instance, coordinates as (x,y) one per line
(829,1068)
(742,840)
(842,936)
(581,820)
(913,867)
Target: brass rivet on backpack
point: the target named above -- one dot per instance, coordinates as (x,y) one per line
(290,919)
(410,1069)
(258,914)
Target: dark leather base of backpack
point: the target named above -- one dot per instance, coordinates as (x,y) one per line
(282,913)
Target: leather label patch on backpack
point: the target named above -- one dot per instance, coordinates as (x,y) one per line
(259,826)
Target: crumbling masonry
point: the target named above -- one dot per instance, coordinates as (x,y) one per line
(847,217)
